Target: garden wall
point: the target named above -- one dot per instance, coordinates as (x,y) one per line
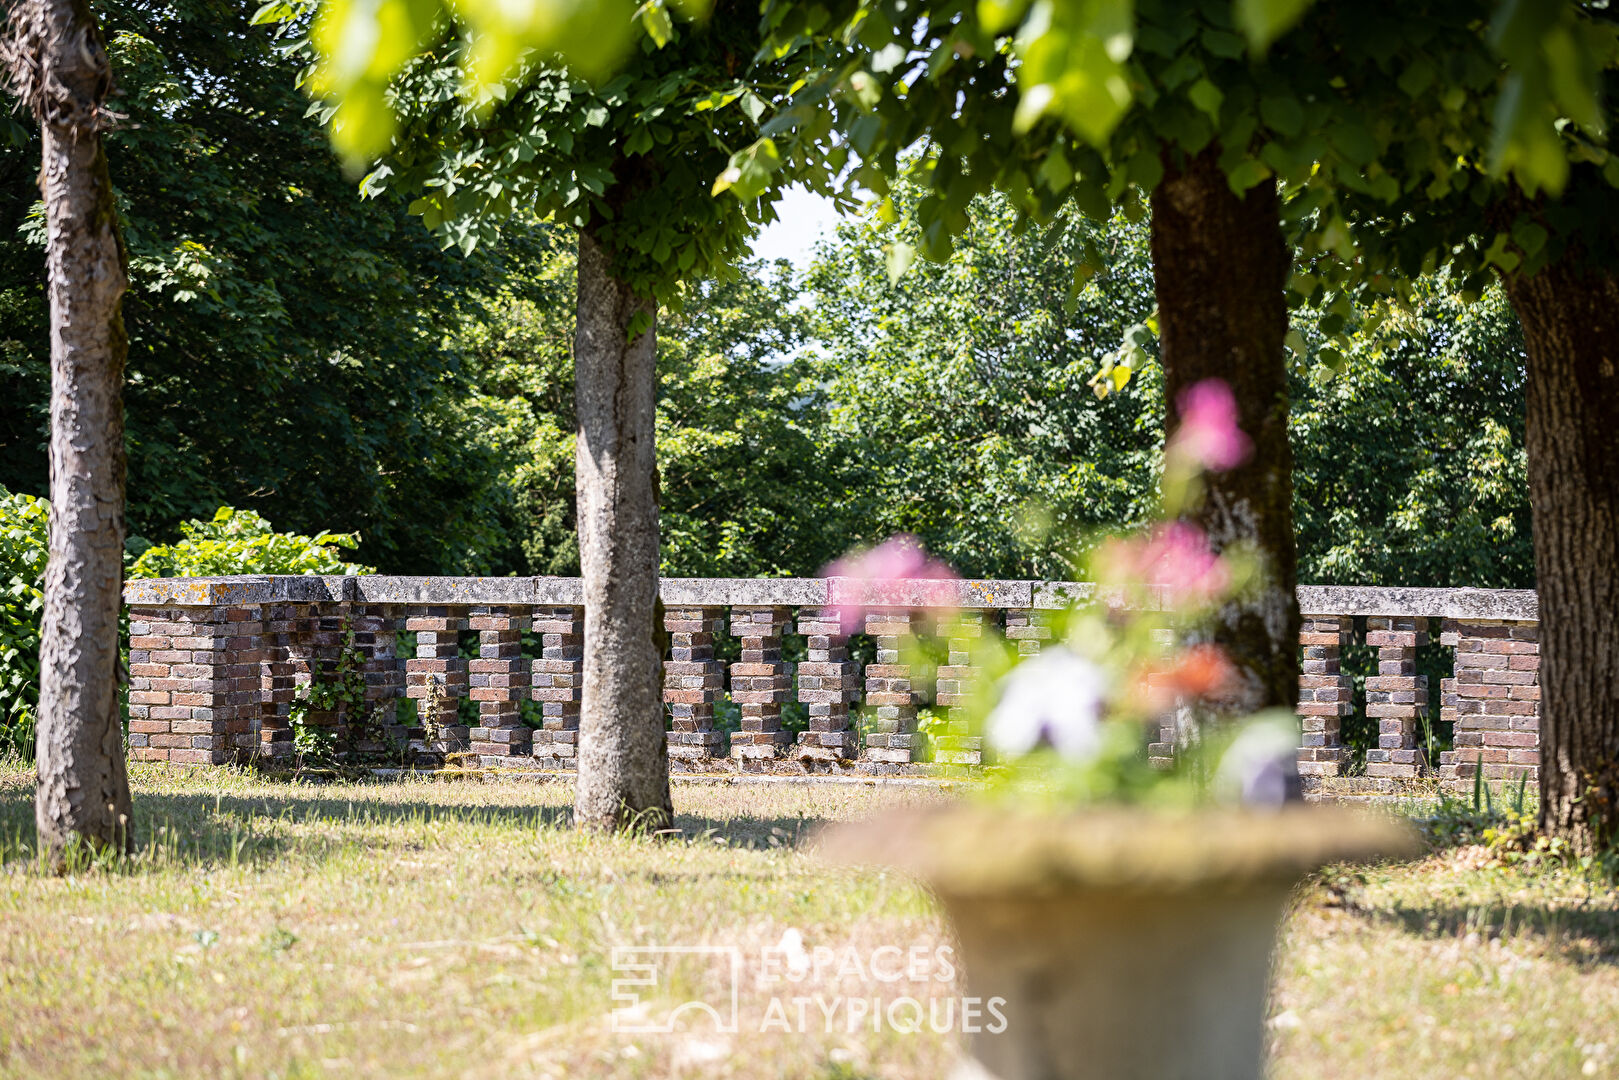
(224,669)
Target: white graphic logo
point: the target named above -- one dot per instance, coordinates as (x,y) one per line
(642,971)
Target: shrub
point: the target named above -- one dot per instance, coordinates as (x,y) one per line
(234,542)
(243,542)
(24,521)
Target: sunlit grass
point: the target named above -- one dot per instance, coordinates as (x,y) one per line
(424,928)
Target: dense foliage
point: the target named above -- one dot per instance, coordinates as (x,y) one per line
(242,542)
(287,346)
(23,523)
(1410,466)
(311,356)
(962,394)
(232,542)
(749,485)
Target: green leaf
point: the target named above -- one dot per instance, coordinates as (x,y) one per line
(655,19)
(897,258)
(999,15)
(1282,113)
(868,92)
(1222,44)
(1056,172)
(1529,236)
(1263,21)
(273,12)
(1417,77)
(1246,174)
(749,171)
(1207,97)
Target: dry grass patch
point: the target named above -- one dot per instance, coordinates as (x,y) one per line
(422,929)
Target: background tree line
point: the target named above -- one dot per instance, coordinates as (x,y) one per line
(317,357)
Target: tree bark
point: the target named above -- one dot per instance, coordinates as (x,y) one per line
(1570,316)
(58,65)
(1220,266)
(623,755)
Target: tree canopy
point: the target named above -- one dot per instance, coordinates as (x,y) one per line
(287,339)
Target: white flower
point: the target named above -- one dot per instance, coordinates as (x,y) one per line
(1054,699)
(1260,767)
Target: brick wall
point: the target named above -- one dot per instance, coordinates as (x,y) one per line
(217,666)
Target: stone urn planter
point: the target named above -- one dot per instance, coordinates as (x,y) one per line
(1125,943)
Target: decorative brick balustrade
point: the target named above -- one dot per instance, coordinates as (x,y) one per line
(219,668)
(555,680)
(1324,695)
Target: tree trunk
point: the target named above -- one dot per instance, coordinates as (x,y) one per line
(623,755)
(1570,316)
(1220,268)
(59,67)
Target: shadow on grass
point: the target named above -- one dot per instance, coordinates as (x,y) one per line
(200,829)
(1584,933)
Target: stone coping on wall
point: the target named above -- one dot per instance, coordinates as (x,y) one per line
(1504,605)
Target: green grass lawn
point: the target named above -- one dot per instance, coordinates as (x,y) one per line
(462,929)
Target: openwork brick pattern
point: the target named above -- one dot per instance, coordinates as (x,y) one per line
(1030,629)
(219,666)
(893,737)
(316,648)
(437,676)
(277,684)
(1494,700)
(760,681)
(1325,695)
(1396,697)
(826,687)
(499,682)
(692,681)
(555,679)
(955,687)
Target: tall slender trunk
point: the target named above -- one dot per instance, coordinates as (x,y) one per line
(1570,316)
(58,65)
(623,755)
(1220,268)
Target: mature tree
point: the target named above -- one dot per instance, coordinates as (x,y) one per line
(628,163)
(1092,105)
(1171,101)
(58,66)
(1511,176)
(1570,314)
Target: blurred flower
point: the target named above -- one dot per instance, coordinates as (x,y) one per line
(1201,671)
(1260,767)
(1176,556)
(1208,435)
(900,558)
(1054,699)
(1198,673)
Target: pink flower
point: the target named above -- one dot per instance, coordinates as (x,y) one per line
(886,567)
(1208,434)
(1176,556)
